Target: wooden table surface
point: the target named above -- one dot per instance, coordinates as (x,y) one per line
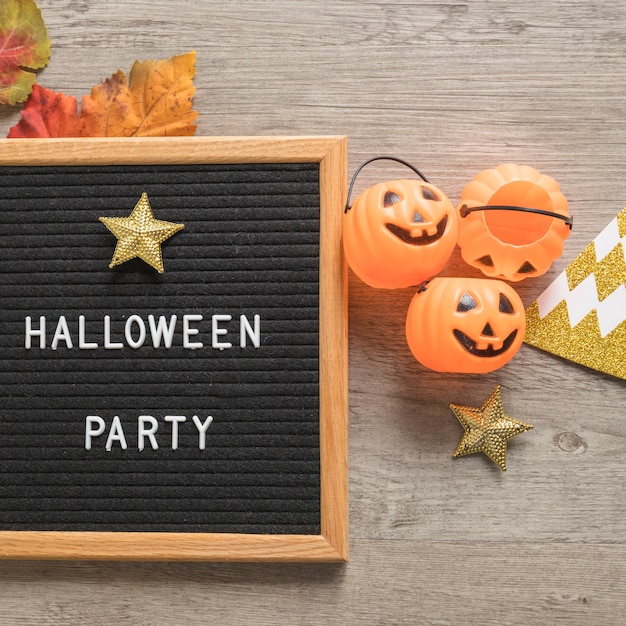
(454,88)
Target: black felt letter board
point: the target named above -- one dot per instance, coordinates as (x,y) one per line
(250,247)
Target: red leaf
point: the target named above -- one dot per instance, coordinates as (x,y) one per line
(48,114)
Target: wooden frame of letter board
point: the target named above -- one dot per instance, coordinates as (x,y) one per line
(332,543)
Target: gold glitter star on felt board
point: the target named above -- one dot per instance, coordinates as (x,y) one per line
(487,429)
(140,235)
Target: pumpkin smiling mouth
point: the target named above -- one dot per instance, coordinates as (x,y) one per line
(424,239)
(470,345)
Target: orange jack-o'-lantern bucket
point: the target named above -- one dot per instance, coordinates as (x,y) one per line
(513,221)
(465,325)
(398,233)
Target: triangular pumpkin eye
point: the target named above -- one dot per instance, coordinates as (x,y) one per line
(391,198)
(429,194)
(486,260)
(527,268)
(466,303)
(505,305)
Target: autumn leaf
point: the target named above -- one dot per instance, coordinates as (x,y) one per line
(156,101)
(48,114)
(24,43)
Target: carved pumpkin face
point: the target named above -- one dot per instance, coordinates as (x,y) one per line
(466,325)
(399,233)
(520,242)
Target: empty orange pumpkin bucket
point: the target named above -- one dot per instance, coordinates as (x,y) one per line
(513,221)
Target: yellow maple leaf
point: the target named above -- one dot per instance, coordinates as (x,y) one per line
(156,101)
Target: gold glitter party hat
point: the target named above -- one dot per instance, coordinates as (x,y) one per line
(581,316)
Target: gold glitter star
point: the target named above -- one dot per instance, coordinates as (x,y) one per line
(140,235)
(487,429)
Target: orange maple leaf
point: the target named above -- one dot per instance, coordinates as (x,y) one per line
(156,101)
(24,43)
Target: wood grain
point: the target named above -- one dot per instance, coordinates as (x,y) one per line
(453,87)
(386,582)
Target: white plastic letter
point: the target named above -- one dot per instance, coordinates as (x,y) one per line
(116,434)
(91,430)
(161,330)
(175,420)
(245,330)
(188,332)
(135,319)
(143,431)
(31,332)
(62,333)
(108,344)
(216,331)
(202,428)
(82,344)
